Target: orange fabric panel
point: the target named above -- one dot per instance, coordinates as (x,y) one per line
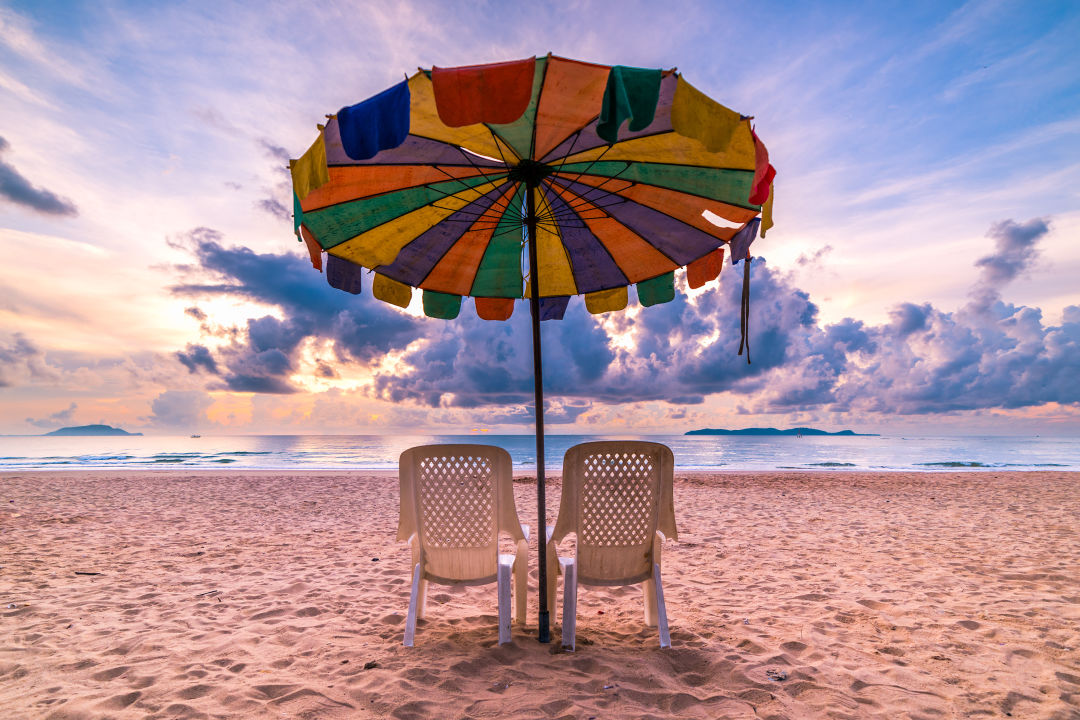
(497,93)
(637,259)
(572,96)
(705,269)
(683,206)
(313,247)
(494,308)
(361,181)
(454,274)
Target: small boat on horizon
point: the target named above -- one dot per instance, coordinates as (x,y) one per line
(196,436)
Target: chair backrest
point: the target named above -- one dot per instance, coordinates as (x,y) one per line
(457,498)
(615,496)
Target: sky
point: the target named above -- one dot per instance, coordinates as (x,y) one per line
(921,277)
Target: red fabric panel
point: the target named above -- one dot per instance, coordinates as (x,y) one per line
(705,269)
(313,247)
(763,172)
(497,93)
(494,308)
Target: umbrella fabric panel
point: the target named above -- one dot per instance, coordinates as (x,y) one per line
(424,122)
(571,98)
(499,274)
(493,93)
(519,133)
(727,186)
(348,184)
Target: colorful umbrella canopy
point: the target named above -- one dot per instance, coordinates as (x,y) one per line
(604,176)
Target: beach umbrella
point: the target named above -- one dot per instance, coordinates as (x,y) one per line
(539,179)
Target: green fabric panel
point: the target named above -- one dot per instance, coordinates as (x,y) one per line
(297,213)
(519,134)
(631,93)
(338,223)
(725,185)
(441,305)
(499,274)
(660,289)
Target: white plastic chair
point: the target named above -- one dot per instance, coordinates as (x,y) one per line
(455,500)
(617,498)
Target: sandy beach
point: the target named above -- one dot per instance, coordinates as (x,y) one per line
(790,595)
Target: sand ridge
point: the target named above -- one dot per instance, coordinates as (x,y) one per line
(790,595)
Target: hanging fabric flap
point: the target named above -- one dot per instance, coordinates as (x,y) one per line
(766,212)
(498,93)
(553,308)
(297,214)
(606,300)
(343,275)
(705,269)
(489,308)
(695,115)
(391,291)
(763,173)
(313,247)
(378,123)
(740,244)
(310,171)
(631,93)
(441,305)
(657,290)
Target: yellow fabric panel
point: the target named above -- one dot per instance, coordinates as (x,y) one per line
(572,96)
(381,245)
(696,115)
(606,300)
(556,275)
(766,212)
(310,172)
(674,149)
(391,291)
(424,121)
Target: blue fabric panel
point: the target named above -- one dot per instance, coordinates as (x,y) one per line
(740,244)
(380,122)
(343,275)
(553,308)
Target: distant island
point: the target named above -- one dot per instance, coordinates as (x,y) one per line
(91,430)
(774,431)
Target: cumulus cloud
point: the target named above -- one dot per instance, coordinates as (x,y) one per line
(21,191)
(988,354)
(61,418)
(180,409)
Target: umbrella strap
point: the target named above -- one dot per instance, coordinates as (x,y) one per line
(744,319)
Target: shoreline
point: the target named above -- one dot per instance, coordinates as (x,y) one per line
(790,594)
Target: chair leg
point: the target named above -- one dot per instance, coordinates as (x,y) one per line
(569,607)
(665,636)
(649,591)
(503,582)
(410,619)
(521,585)
(421,602)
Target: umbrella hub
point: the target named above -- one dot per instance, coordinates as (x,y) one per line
(530,172)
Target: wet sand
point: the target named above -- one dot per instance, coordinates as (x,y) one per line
(790,595)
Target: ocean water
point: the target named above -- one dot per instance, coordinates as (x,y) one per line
(369,452)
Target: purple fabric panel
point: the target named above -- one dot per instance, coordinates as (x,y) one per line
(416,260)
(681,242)
(414,151)
(553,308)
(593,267)
(343,275)
(740,244)
(588,138)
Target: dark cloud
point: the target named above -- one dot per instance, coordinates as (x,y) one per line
(923,360)
(1015,248)
(262,356)
(274,150)
(21,191)
(275,208)
(197,356)
(61,418)
(18,356)
(196,313)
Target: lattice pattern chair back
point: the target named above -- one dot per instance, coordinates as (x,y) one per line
(615,495)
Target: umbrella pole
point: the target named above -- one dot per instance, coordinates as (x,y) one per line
(544,620)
